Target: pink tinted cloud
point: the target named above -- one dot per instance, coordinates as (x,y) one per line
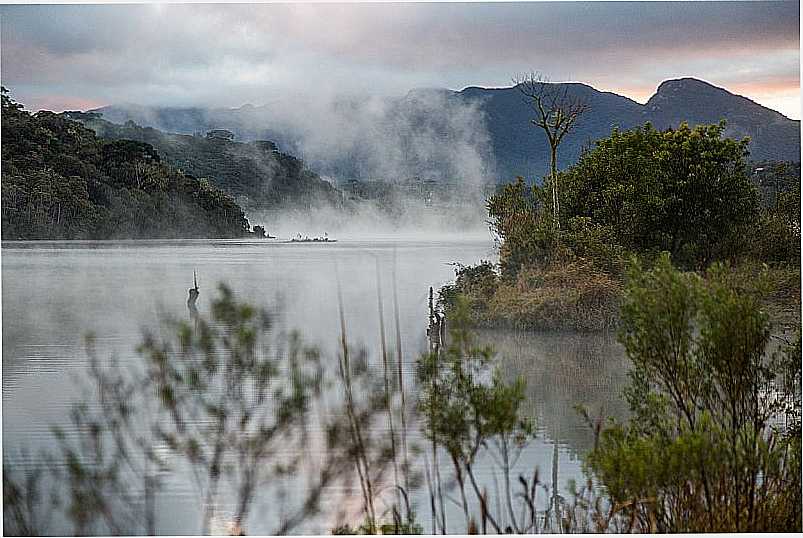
(60,103)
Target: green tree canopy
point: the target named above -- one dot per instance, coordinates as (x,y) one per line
(681,190)
(522,224)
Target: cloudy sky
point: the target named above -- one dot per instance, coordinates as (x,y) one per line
(77,56)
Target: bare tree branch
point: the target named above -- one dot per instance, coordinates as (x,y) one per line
(556,112)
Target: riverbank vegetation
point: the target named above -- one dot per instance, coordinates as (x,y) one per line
(713,439)
(694,257)
(60,181)
(686,191)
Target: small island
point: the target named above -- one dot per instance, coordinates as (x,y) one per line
(306,239)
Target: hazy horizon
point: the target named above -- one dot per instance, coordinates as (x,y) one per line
(640,101)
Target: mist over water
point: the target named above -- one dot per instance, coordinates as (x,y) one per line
(431,134)
(55,292)
(409,221)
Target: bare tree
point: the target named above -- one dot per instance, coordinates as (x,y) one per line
(557,112)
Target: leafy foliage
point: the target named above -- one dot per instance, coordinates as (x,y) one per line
(25,510)
(681,190)
(519,217)
(702,450)
(229,410)
(777,237)
(684,191)
(467,406)
(476,283)
(61,182)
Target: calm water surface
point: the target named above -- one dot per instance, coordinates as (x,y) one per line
(53,293)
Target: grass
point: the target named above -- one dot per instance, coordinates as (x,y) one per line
(577,295)
(572,297)
(783,300)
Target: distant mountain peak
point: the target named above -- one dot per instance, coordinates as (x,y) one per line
(423,93)
(688,84)
(684,89)
(702,98)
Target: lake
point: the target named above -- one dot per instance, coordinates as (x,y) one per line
(54,293)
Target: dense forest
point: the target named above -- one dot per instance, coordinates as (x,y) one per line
(256,173)
(60,181)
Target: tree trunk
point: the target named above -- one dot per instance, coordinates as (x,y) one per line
(553,166)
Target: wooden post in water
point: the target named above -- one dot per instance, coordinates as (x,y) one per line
(431,323)
(193,297)
(434,333)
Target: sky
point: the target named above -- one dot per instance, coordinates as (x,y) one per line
(66,57)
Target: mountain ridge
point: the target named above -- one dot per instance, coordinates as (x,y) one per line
(516,147)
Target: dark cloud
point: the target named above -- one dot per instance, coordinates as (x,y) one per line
(231,54)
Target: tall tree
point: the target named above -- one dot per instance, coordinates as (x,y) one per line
(556,112)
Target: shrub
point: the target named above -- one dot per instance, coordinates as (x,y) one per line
(702,451)
(521,221)
(477,283)
(597,242)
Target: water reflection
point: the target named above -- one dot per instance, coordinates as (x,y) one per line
(52,296)
(563,371)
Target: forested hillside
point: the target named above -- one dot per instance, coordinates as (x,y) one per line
(255,173)
(60,181)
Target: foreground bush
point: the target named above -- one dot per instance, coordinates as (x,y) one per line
(714,442)
(228,407)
